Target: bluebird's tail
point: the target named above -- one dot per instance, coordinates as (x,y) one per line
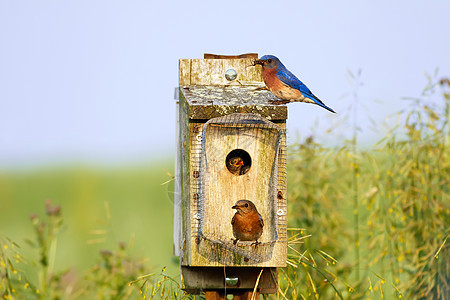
(320,103)
(327,108)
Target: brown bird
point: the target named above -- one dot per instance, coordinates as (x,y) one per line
(247,222)
(235,164)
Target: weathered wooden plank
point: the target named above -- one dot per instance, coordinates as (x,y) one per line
(204,278)
(207,102)
(207,72)
(184,72)
(185,182)
(220,56)
(212,71)
(177,207)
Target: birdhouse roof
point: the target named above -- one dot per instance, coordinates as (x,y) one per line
(209,101)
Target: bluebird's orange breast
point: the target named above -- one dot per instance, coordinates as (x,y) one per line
(271,80)
(279,88)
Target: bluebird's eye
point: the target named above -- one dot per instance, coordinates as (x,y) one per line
(246,204)
(269,60)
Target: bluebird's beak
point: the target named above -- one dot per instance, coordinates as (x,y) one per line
(258,62)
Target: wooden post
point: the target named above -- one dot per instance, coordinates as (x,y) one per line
(239,295)
(246,295)
(215,295)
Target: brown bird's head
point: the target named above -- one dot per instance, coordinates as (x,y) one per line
(244,207)
(236,161)
(234,165)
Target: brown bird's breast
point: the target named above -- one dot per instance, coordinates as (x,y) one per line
(247,227)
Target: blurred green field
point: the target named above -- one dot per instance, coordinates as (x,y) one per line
(141,210)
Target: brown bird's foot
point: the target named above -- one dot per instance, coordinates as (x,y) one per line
(263,88)
(278,102)
(235,241)
(256,243)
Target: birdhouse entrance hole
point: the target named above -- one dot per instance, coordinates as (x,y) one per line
(238,162)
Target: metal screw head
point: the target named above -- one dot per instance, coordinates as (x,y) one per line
(231,74)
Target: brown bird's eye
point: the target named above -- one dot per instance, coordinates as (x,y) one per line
(269,60)
(246,204)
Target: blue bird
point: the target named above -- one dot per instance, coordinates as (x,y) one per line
(284,85)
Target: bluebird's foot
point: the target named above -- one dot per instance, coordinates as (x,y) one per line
(278,102)
(235,241)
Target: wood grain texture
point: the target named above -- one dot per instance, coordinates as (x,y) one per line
(212,71)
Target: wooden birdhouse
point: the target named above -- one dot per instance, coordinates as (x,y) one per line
(225,115)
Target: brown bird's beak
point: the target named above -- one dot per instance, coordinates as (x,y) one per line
(239,163)
(235,207)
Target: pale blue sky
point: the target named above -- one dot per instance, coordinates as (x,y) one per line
(93,81)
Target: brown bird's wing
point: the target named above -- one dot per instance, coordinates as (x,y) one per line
(260,220)
(244,169)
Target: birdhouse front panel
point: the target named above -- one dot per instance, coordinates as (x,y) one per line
(239,163)
(231,170)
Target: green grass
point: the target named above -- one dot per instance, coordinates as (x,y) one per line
(389,206)
(140,209)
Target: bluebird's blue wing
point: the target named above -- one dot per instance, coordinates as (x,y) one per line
(290,79)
